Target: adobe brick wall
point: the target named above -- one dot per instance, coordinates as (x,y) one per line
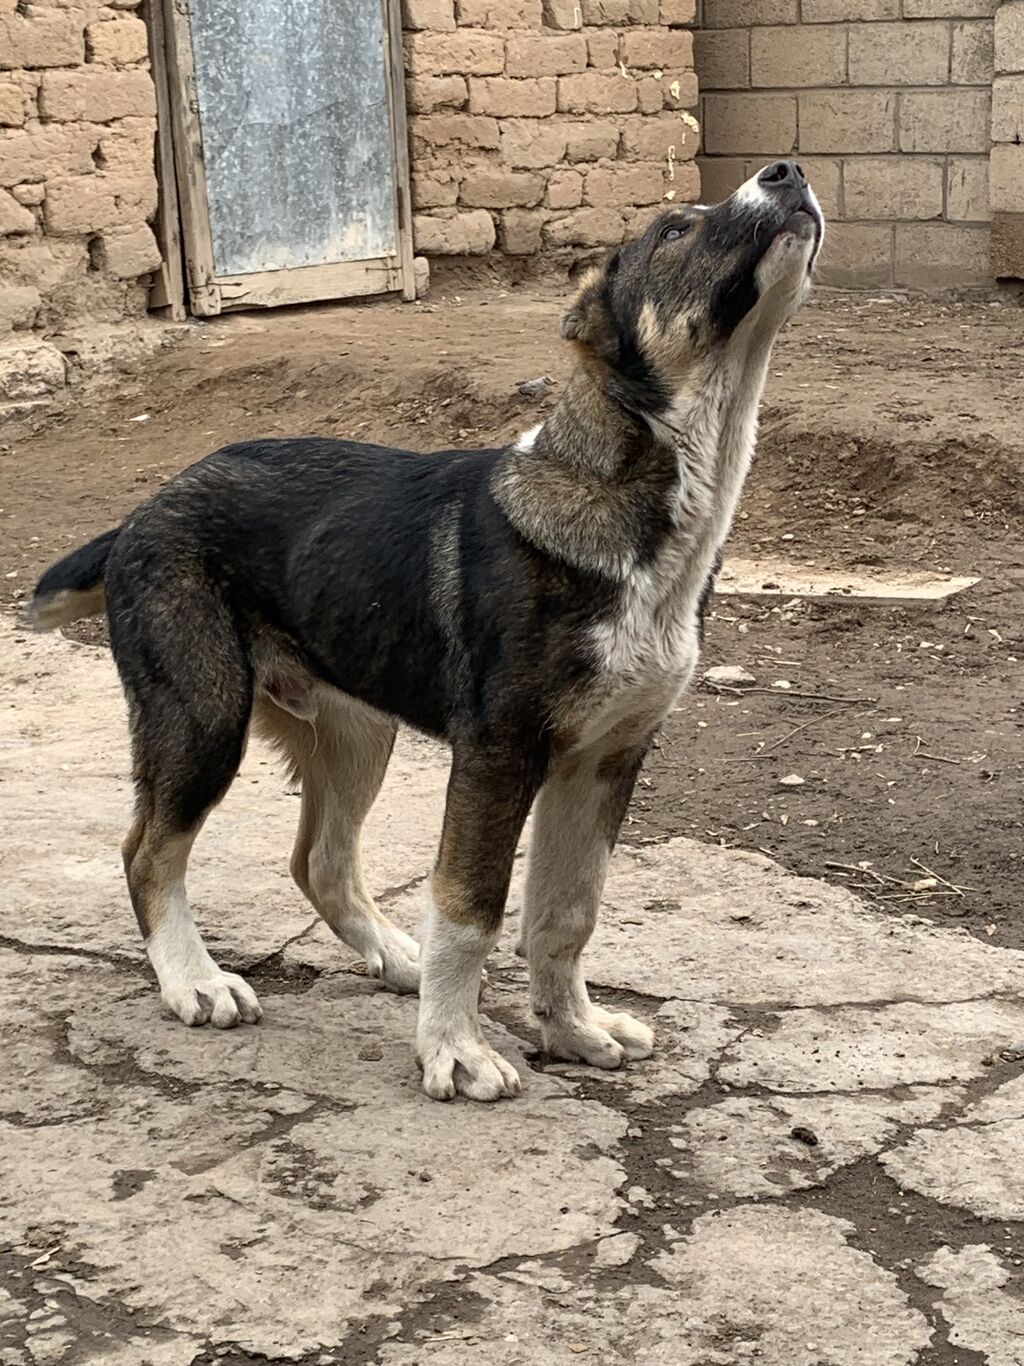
(888,105)
(77,181)
(1007,159)
(550,126)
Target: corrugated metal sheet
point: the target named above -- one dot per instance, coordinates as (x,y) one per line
(296,139)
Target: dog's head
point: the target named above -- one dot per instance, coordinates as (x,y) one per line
(682,290)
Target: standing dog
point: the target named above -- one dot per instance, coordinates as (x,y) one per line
(537,606)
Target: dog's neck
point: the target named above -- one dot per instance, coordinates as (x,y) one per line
(574,485)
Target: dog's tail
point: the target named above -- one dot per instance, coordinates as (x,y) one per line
(73,587)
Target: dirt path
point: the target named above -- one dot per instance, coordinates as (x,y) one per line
(893,435)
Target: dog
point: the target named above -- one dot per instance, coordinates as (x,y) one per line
(537,606)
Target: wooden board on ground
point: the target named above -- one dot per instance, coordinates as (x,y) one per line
(779,579)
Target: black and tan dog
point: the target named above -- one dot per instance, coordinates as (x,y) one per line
(537,606)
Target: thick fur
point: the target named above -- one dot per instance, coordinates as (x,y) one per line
(537,606)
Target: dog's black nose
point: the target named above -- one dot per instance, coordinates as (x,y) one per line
(781,175)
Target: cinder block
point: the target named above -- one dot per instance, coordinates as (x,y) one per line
(463,234)
(825,176)
(95,96)
(971,61)
(43,37)
(720,176)
(848,121)
(791,57)
(545,55)
(746,124)
(836,11)
(743,13)
(501,189)
(1008,109)
(877,188)
(625,185)
(512,99)
(596,92)
(435,15)
(899,54)
(967,199)
(949,9)
(722,58)
(1007,247)
(468,52)
(857,255)
(651,48)
(941,255)
(1009,36)
(945,120)
(1006,178)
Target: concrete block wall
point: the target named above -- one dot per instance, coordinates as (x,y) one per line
(77,180)
(887,103)
(547,126)
(1007,158)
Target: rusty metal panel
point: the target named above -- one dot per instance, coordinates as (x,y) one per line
(296,139)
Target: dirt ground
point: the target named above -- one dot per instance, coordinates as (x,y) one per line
(892,436)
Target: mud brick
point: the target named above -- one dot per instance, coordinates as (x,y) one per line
(596,92)
(436,15)
(545,55)
(42,38)
(424,94)
(565,189)
(590,141)
(520,232)
(119,42)
(434,189)
(604,11)
(503,97)
(647,49)
(562,14)
(649,139)
(447,130)
(12,104)
(468,52)
(500,14)
(603,50)
(678,11)
(127,253)
(650,95)
(586,228)
(15,218)
(743,13)
(500,189)
(625,185)
(463,234)
(32,154)
(95,96)
(528,144)
(684,184)
(83,204)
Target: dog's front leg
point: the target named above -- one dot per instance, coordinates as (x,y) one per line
(576,823)
(489,797)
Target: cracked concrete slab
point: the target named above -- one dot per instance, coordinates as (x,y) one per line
(287,1193)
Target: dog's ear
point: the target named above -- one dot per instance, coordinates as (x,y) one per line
(589,322)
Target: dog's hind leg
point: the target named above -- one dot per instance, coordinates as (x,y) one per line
(189,718)
(488,800)
(576,822)
(340,756)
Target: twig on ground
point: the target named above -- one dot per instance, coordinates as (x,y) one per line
(920,753)
(782,692)
(814,721)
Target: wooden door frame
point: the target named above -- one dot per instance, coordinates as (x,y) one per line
(186,195)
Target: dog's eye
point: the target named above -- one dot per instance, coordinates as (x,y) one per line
(676,230)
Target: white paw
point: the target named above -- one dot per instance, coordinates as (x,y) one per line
(467,1067)
(222,999)
(396,962)
(602,1038)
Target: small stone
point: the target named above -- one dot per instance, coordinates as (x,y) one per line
(792,780)
(804,1135)
(728,675)
(534,388)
